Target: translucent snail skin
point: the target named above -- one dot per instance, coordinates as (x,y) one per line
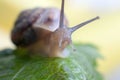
(44,31)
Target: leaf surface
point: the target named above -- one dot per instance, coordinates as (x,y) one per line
(80,65)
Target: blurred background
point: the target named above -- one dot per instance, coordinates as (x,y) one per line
(104,33)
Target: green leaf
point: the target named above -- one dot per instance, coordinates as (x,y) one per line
(80,65)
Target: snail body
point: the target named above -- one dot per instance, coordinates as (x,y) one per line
(44,31)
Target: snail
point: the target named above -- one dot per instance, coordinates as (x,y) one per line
(44,31)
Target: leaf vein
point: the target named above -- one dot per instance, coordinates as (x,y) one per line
(20,70)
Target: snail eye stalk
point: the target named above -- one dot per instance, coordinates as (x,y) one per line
(62,15)
(82,24)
